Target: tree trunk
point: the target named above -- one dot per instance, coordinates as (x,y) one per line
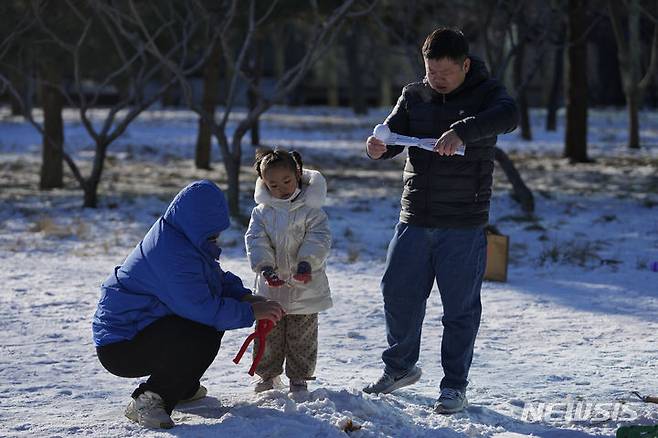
(330,66)
(278,44)
(52,162)
(520,192)
(629,54)
(24,84)
(385,93)
(16,108)
(633,94)
(357,86)
(554,94)
(633,101)
(90,194)
(575,147)
(253,97)
(232,167)
(211,79)
(90,184)
(521,97)
(168,98)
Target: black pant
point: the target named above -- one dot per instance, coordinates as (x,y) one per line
(173,351)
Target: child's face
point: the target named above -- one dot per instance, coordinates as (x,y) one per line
(281,181)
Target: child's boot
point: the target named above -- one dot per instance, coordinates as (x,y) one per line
(267,384)
(298,385)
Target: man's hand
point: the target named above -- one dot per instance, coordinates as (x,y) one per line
(271,278)
(303,274)
(375,147)
(268,310)
(448,143)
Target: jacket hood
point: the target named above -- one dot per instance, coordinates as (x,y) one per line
(199,211)
(313,194)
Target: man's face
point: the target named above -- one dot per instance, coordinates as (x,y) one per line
(445,75)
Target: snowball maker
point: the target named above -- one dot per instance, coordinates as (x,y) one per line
(383,133)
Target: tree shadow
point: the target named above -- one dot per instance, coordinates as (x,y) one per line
(207,407)
(612,295)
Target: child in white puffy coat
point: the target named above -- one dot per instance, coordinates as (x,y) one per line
(288,242)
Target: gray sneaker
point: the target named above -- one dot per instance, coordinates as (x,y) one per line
(148,410)
(387,383)
(451,401)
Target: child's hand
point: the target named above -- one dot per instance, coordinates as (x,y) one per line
(303,274)
(271,278)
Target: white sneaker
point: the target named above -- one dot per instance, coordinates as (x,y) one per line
(298,385)
(267,384)
(148,410)
(199,394)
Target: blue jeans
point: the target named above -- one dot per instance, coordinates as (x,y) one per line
(456,258)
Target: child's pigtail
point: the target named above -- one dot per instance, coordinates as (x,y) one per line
(260,156)
(298,160)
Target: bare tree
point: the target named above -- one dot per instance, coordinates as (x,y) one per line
(211,78)
(52,157)
(124,63)
(325,27)
(508,29)
(553,98)
(630,61)
(353,46)
(403,29)
(23,61)
(575,142)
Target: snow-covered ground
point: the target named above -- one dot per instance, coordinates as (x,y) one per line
(574,330)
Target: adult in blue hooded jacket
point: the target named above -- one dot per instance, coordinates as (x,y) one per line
(162,313)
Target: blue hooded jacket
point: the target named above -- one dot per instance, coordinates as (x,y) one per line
(174,270)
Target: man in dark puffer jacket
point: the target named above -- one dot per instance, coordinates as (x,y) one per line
(445,205)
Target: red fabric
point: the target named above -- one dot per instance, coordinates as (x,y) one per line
(274,281)
(303,278)
(263,327)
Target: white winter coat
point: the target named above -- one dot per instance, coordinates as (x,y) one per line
(283,233)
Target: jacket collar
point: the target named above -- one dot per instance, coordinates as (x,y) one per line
(314,193)
(476,74)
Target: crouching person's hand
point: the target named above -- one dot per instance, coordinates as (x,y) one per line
(270,310)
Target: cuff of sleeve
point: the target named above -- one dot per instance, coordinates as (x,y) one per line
(247,314)
(242,293)
(260,267)
(460,128)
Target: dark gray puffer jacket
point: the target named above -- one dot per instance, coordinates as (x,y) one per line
(451,191)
